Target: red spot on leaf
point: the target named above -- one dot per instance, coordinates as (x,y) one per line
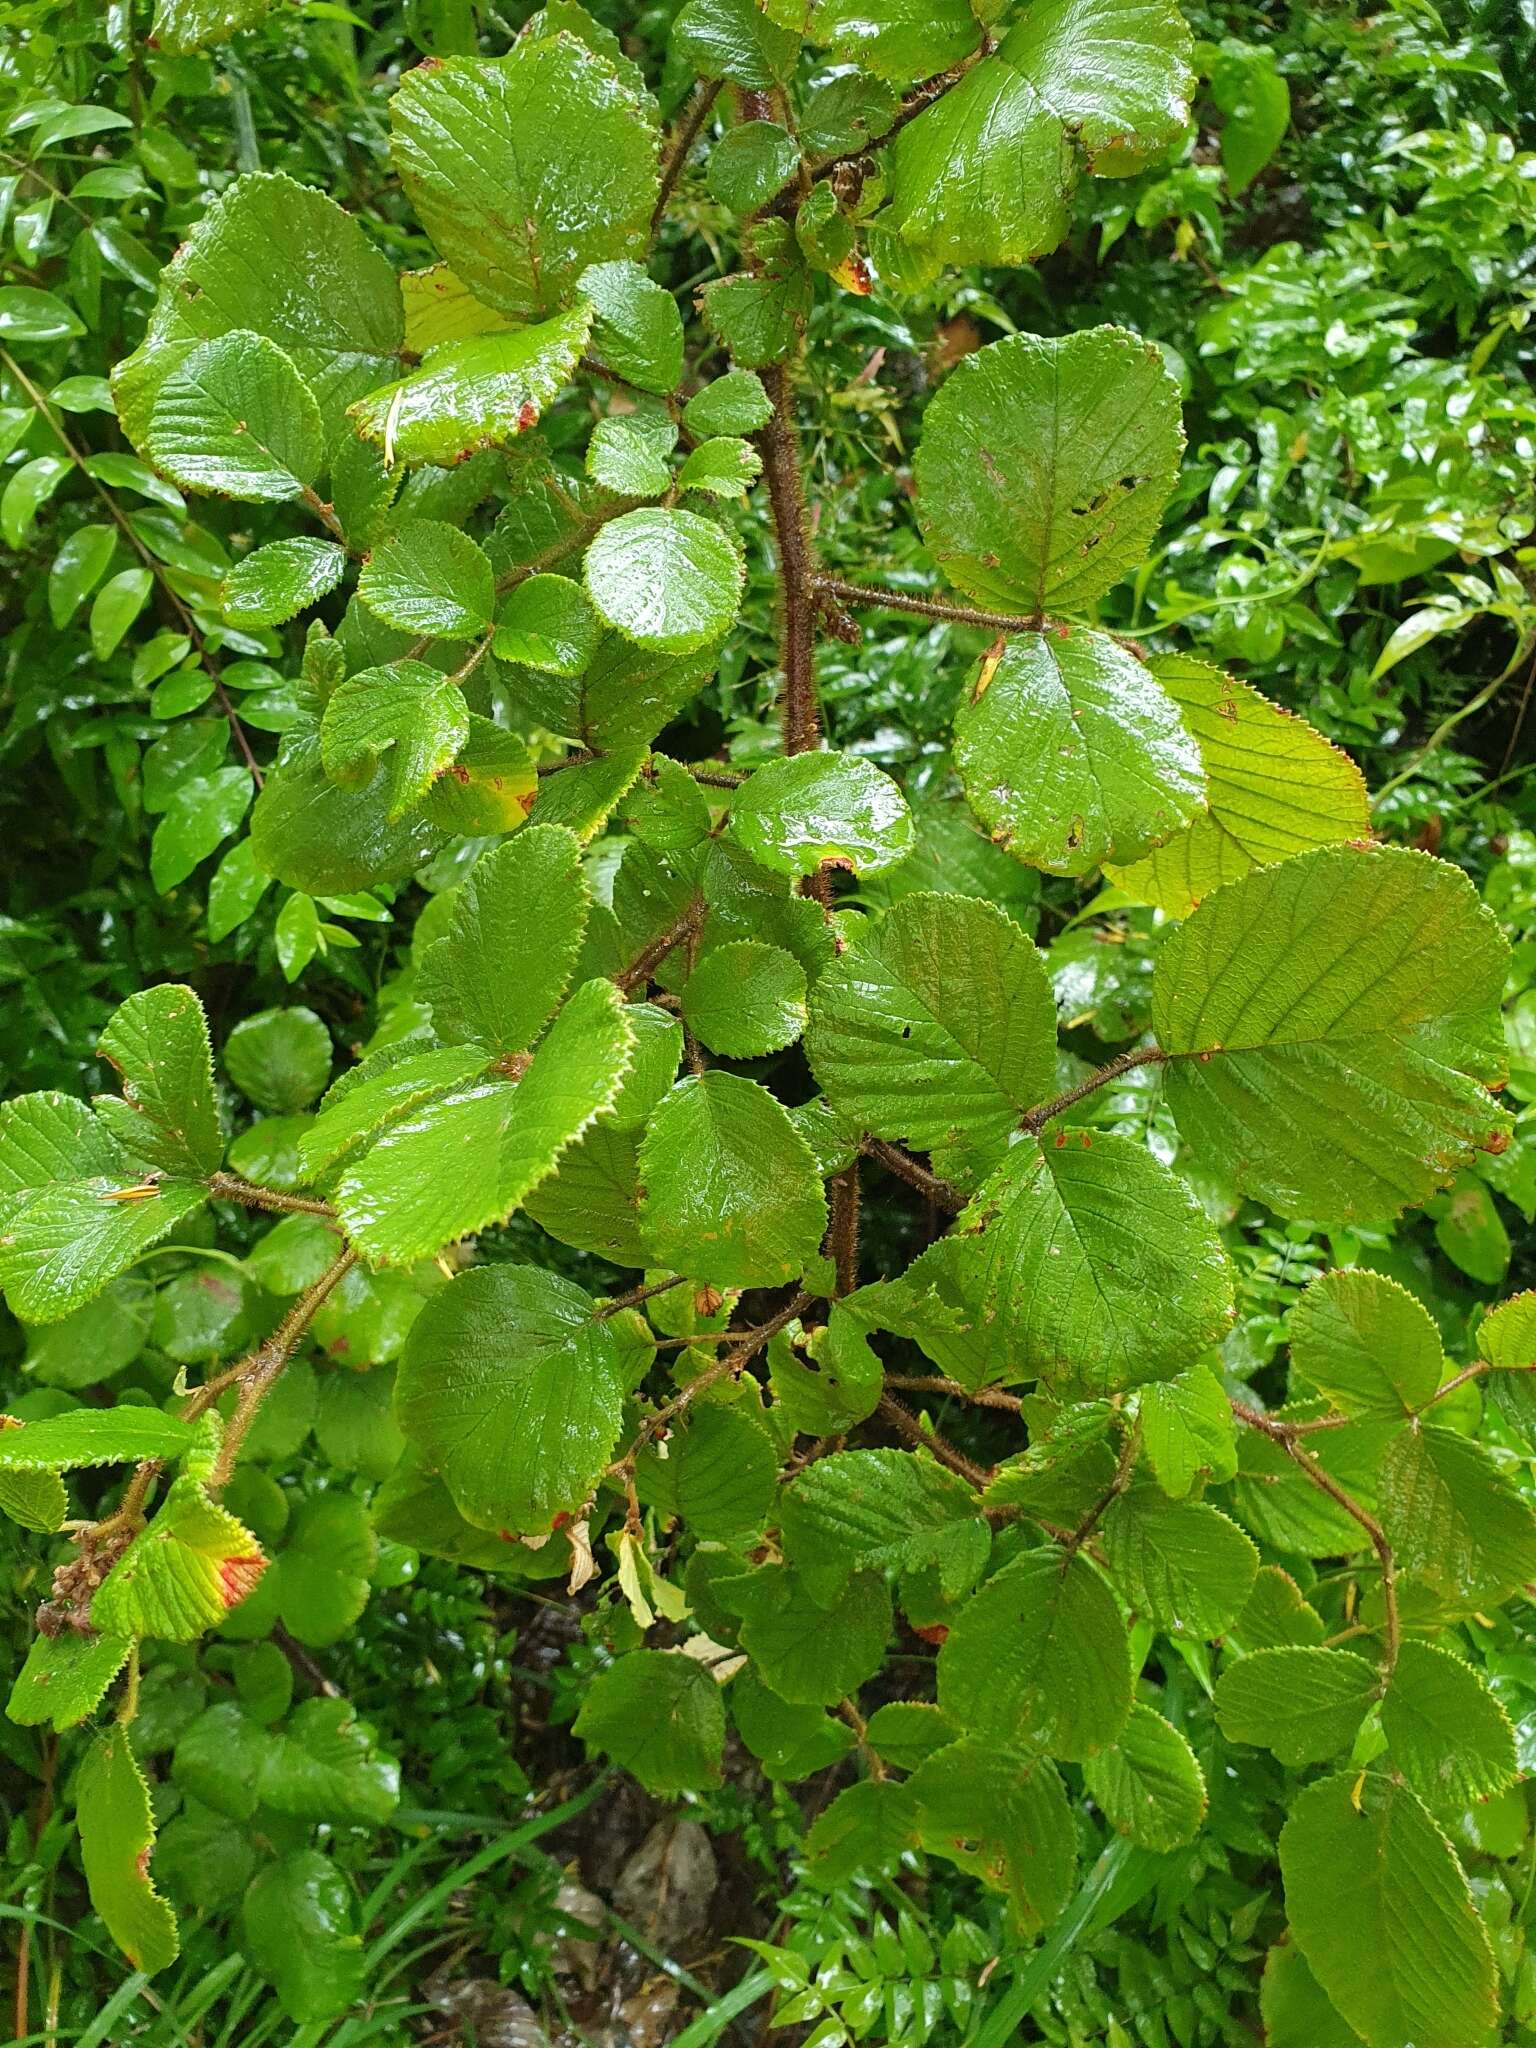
(936,1632)
(238,1576)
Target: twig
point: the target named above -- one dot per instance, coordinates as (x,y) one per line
(1122,1479)
(635,1296)
(843,1228)
(1285,1434)
(906,1424)
(264,1366)
(935,1383)
(928,607)
(856,1721)
(1146,1056)
(229,1187)
(638,972)
(693,117)
(747,1345)
(915,1174)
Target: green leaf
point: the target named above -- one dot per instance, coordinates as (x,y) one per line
(65,1678)
(27,314)
(1367,1344)
(1039,1657)
(318,1584)
(511,1390)
(789,1742)
(1187,1431)
(733,404)
(78,567)
(1002,1814)
(760,315)
(737,40)
(1148,1784)
(183,26)
(35,1500)
(200,817)
(75,1209)
(1183,1565)
(1304,1704)
(628,453)
(637,332)
(724,468)
(1506,1336)
(1071,754)
(897,40)
(313,836)
(300,1930)
(802,810)
(158,1043)
(809,1652)
(275,583)
(1453,1516)
(1070,1239)
(665,578)
(182,1574)
(236,417)
(1295,2009)
(905,1732)
(547,623)
(219,1758)
(749,163)
(1368,1874)
(884,1510)
(1044,466)
(279,1059)
(479,393)
(1448,1734)
(1248,87)
(862,1834)
(326,1766)
(660,1717)
(939,1020)
(429,578)
(468,1159)
(116,606)
(1274,788)
(746,999)
(491,150)
(830,1379)
(117,1835)
(410,715)
(123,1435)
(1330,1023)
(986,174)
(731,1192)
(506,959)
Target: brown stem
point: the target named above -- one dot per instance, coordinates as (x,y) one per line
(635,1296)
(843,1227)
(639,970)
(156,569)
(915,1174)
(1470,1372)
(906,1424)
(1112,1492)
(917,101)
(229,1187)
(1285,1435)
(1146,1056)
(747,1344)
(927,607)
(874,1762)
(779,445)
(935,1383)
(693,117)
(265,1364)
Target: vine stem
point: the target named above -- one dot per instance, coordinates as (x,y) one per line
(1106,1500)
(636,1295)
(1288,1436)
(843,1227)
(638,972)
(156,569)
(935,1383)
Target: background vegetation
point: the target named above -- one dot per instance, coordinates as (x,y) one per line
(1341,269)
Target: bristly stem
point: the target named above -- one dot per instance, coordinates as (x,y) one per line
(843,1228)
(639,970)
(693,117)
(229,1187)
(1125,1063)
(779,444)
(940,1192)
(927,607)
(1287,1436)
(256,1376)
(906,1424)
